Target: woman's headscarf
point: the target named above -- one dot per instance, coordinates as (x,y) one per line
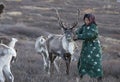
(90,17)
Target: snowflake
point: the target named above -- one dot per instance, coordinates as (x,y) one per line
(89,56)
(98,69)
(94,48)
(88,27)
(83,70)
(95,63)
(98,41)
(97,55)
(91,52)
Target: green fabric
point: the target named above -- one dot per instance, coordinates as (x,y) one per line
(90,58)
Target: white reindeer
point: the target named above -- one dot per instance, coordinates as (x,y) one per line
(41,48)
(6,55)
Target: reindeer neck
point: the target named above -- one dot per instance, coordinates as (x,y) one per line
(64,39)
(65,43)
(68,46)
(12,44)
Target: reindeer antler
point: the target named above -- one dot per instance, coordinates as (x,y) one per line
(59,20)
(78,10)
(76,23)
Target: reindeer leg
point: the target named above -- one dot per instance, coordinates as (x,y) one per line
(56,66)
(49,66)
(47,60)
(51,62)
(67,59)
(44,60)
(8,74)
(54,63)
(2,78)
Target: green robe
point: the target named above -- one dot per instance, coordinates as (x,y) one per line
(90,58)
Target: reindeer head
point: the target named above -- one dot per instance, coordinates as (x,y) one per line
(42,39)
(67,28)
(14,39)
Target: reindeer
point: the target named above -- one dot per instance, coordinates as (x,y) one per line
(62,45)
(41,48)
(7,55)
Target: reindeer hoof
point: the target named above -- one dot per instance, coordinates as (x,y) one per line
(46,68)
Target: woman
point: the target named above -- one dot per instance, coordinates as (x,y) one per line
(90,59)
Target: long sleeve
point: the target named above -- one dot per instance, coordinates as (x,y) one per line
(79,30)
(88,34)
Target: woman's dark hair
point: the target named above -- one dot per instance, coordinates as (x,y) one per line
(90,17)
(1,7)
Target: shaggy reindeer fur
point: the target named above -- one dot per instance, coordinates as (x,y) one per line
(41,48)
(6,55)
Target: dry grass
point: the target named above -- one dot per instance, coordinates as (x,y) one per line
(37,17)
(112,68)
(29,68)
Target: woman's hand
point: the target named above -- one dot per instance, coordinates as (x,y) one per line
(75,37)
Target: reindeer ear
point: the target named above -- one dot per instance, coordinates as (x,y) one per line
(16,50)
(44,37)
(1,7)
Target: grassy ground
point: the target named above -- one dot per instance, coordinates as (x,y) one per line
(28,19)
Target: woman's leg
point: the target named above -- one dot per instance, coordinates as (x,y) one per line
(99,79)
(81,76)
